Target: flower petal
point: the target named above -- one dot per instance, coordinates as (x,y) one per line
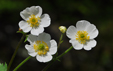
(25,14)
(71,32)
(45,58)
(76,45)
(45,20)
(35,10)
(38,11)
(44,36)
(90,44)
(92,31)
(31,38)
(37,31)
(82,25)
(53,48)
(24,26)
(30,49)
(33,54)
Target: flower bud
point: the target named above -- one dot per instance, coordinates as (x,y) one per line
(62,29)
(20,29)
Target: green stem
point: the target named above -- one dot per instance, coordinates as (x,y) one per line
(10,63)
(56,59)
(22,63)
(48,65)
(64,52)
(60,40)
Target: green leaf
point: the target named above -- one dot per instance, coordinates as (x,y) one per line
(3,67)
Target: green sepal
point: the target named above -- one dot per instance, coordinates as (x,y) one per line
(58,60)
(26,38)
(61,41)
(20,32)
(3,67)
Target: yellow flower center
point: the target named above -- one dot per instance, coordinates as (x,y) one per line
(34,21)
(82,37)
(41,47)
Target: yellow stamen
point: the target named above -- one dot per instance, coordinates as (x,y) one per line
(41,47)
(34,21)
(82,37)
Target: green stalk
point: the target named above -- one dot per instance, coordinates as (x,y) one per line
(64,52)
(14,54)
(49,65)
(22,63)
(60,40)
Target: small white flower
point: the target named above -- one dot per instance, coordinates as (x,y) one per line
(82,36)
(42,47)
(33,21)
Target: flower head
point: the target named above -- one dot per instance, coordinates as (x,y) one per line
(62,29)
(33,21)
(41,47)
(82,36)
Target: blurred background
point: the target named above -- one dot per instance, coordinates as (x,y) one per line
(62,12)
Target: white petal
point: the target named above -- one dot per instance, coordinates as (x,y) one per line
(90,44)
(35,10)
(31,38)
(25,14)
(24,26)
(44,36)
(82,25)
(53,48)
(37,31)
(92,31)
(45,58)
(71,32)
(33,54)
(39,58)
(30,49)
(76,45)
(45,20)
(39,11)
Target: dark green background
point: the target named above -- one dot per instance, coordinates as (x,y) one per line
(62,12)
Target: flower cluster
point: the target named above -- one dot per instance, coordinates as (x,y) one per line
(41,45)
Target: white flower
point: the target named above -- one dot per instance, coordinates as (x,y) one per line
(41,47)
(82,36)
(33,21)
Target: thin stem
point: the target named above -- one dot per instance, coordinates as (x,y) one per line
(60,40)
(56,59)
(64,52)
(22,63)
(14,54)
(49,65)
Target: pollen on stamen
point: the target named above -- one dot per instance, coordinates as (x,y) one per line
(82,37)
(33,21)
(41,47)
